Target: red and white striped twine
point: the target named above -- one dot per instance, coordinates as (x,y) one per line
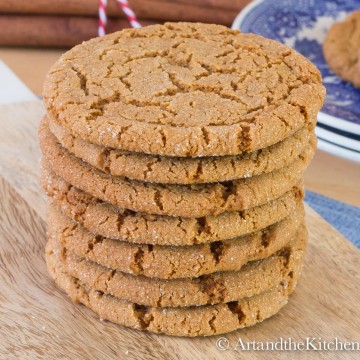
(124,4)
(129,13)
(102,17)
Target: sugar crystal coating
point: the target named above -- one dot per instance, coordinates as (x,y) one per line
(183,90)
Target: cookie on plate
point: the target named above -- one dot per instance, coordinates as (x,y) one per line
(342,48)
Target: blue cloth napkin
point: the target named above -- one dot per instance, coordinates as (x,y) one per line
(343,217)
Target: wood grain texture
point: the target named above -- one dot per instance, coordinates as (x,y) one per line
(38,321)
(334,177)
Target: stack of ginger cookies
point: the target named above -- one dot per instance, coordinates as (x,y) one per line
(173,158)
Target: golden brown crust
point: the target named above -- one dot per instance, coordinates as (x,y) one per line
(175,154)
(109,221)
(170,262)
(175,200)
(190,321)
(223,287)
(183,89)
(176,170)
(342,48)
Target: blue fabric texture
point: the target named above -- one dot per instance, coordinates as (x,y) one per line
(343,217)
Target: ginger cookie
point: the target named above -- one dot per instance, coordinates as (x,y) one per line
(177,170)
(342,46)
(183,89)
(190,321)
(174,200)
(252,279)
(109,221)
(170,262)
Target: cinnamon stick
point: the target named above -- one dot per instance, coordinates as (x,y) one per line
(58,7)
(165,10)
(218,4)
(53,31)
(174,11)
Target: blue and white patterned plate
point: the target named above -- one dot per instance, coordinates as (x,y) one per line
(302,25)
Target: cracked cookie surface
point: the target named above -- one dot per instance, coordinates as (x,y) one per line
(177,170)
(195,200)
(182,89)
(341,48)
(252,279)
(170,262)
(110,221)
(189,321)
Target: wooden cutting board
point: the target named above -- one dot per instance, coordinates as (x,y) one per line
(38,321)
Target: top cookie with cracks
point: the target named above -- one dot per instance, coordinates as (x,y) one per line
(183,89)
